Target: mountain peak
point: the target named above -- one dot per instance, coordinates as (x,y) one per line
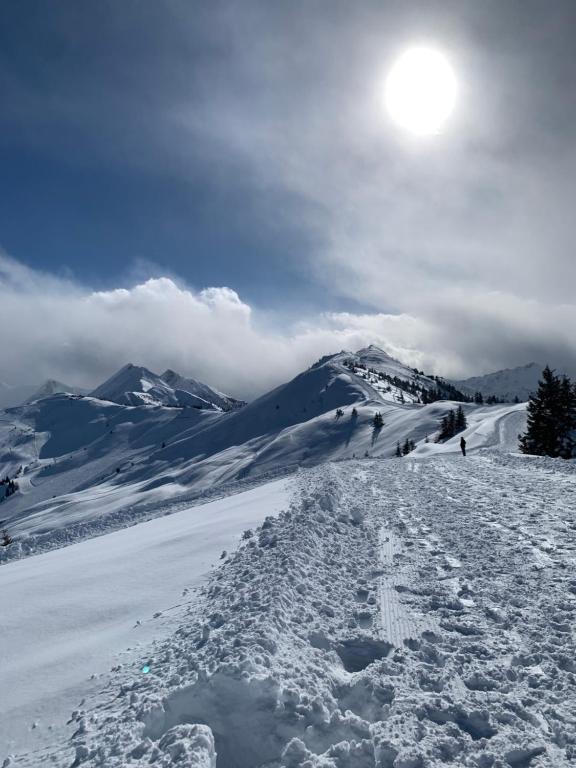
(136,385)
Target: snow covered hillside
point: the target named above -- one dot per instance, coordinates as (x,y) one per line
(405,613)
(84,465)
(135,385)
(507,384)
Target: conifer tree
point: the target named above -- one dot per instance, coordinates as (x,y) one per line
(551,418)
(460,420)
(398,449)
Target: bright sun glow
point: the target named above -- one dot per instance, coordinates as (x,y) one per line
(421,91)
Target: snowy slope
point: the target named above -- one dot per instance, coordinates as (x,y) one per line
(106,596)
(74,453)
(89,463)
(506,384)
(408,613)
(195,387)
(136,385)
(395,381)
(377,358)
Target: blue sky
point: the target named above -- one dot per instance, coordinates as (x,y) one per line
(90,165)
(244,145)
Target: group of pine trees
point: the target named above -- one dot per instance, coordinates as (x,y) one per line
(442,391)
(551,429)
(8,486)
(451,424)
(406,448)
(491,399)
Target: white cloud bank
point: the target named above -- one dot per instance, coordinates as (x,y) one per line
(52,327)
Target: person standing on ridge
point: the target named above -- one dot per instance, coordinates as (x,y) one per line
(463,446)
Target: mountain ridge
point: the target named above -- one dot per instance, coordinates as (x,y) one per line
(136,385)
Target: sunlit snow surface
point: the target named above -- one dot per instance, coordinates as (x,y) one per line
(400,613)
(413,612)
(72,611)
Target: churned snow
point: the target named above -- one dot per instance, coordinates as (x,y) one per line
(399,613)
(72,611)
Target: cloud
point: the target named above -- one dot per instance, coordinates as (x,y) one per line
(53,327)
(471,230)
(460,249)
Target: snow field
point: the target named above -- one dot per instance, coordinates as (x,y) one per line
(294,658)
(73,610)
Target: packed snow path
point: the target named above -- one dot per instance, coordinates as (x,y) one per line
(402,614)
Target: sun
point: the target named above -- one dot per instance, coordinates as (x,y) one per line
(420,91)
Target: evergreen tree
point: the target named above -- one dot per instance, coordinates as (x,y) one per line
(378,421)
(443,434)
(398,449)
(551,418)
(478,398)
(452,423)
(568,418)
(460,420)
(406,447)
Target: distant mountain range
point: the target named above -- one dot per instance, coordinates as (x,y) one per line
(78,458)
(518,382)
(136,385)
(26,393)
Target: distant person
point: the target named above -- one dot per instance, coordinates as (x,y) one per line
(463,446)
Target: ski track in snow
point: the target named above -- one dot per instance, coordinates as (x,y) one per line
(401,614)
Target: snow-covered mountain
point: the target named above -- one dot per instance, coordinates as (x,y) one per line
(507,384)
(54,387)
(395,381)
(136,385)
(13,395)
(92,458)
(197,388)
